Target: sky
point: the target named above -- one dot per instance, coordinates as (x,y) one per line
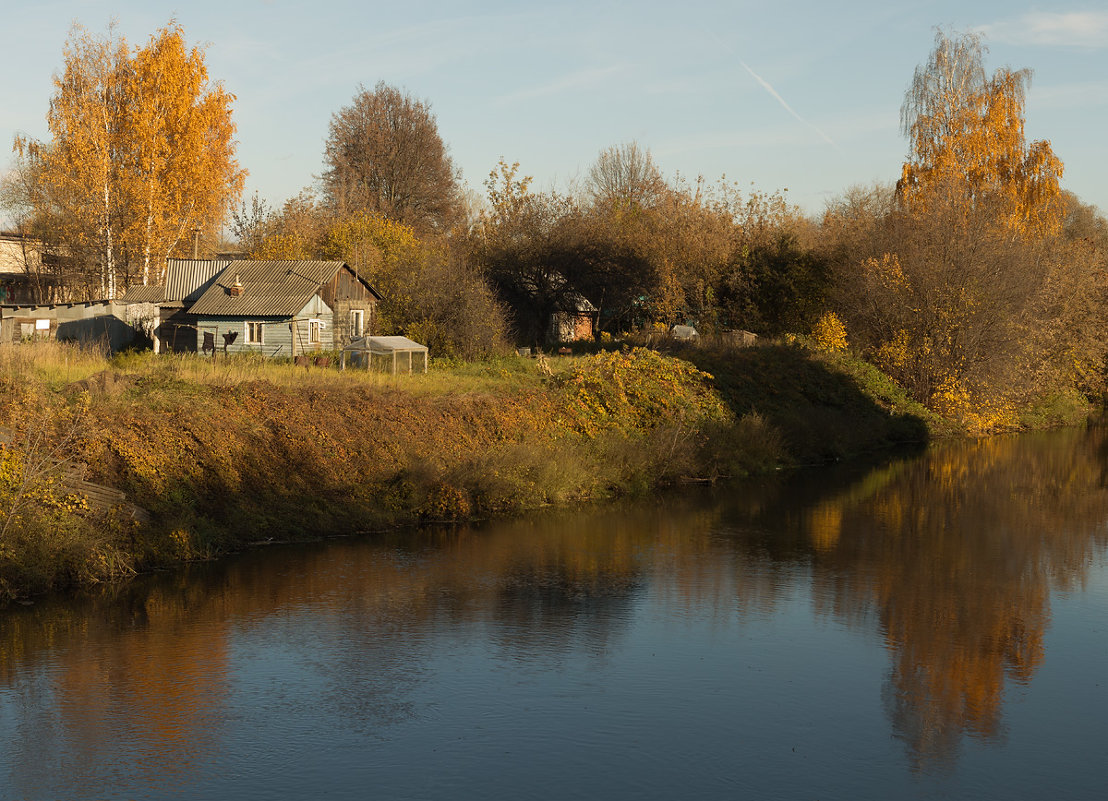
(801,96)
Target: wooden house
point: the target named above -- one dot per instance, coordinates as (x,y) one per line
(283,308)
(276,308)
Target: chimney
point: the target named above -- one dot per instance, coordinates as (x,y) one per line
(236,288)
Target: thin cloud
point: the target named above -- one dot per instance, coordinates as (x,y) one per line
(1070,29)
(766,85)
(1075,95)
(575,80)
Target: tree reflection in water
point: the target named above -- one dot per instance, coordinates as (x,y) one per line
(953,555)
(957,553)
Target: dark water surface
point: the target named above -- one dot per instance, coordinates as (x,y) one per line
(933,627)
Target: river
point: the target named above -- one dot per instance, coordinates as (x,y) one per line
(934,626)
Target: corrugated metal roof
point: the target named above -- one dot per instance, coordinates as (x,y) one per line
(269,288)
(144,294)
(187,279)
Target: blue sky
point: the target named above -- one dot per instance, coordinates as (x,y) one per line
(793,94)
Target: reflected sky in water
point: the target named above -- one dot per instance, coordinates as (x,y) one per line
(927,627)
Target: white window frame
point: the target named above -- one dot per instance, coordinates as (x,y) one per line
(357,322)
(257,329)
(315,332)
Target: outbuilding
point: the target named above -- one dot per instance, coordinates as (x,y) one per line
(391,351)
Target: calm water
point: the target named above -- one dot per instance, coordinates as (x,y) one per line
(935,627)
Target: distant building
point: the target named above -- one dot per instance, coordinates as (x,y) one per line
(575,324)
(25,275)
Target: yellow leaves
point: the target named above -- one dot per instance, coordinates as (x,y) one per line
(978,411)
(284,246)
(142,152)
(967,143)
(887,272)
(637,390)
(829,333)
(895,355)
(507,192)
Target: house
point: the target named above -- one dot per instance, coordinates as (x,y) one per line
(26,276)
(276,308)
(163,310)
(573,324)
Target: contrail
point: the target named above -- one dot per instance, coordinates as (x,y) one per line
(786,106)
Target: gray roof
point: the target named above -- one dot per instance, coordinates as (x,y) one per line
(185,281)
(155,293)
(269,288)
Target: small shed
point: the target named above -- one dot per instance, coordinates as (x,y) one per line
(362,350)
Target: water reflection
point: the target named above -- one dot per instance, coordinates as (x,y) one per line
(951,558)
(955,554)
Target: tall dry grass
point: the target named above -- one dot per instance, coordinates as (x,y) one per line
(50,363)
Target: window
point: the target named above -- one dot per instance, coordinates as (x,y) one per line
(254,333)
(357,322)
(314,327)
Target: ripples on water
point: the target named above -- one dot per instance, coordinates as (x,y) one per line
(930,627)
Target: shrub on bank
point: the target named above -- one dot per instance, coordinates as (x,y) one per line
(284,453)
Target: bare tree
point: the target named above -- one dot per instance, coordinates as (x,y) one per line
(384,155)
(625,176)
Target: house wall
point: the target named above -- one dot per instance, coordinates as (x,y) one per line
(571,326)
(281,336)
(176,331)
(344,293)
(26,276)
(341,323)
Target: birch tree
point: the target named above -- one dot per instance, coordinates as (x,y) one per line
(957,297)
(181,158)
(967,143)
(141,154)
(79,169)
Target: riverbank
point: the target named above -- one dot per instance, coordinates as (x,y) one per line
(221,454)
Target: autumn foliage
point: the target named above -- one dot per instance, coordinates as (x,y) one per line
(141,157)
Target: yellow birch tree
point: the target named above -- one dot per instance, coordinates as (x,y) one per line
(181,148)
(966,134)
(141,154)
(953,298)
(79,168)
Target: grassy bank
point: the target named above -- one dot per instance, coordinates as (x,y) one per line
(225,453)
